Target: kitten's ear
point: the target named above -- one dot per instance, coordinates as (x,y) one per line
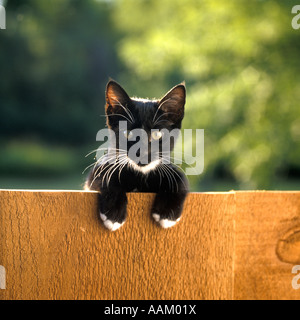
(173,103)
(116,98)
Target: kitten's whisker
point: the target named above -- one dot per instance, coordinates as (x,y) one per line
(156,121)
(121,168)
(88,167)
(112,169)
(171,159)
(121,115)
(183,162)
(178,175)
(161,153)
(162,120)
(102,167)
(91,152)
(97,174)
(94,163)
(94,179)
(126,110)
(111,156)
(159,108)
(121,162)
(132,116)
(160,175)
(172,175)
(168,177)
(109,166)
(108,148)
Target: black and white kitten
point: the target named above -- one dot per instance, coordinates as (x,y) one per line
(128,174)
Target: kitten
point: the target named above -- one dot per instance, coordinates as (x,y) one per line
(147,171)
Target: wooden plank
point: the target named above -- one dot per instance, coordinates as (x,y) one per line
(53,246)
(267,244)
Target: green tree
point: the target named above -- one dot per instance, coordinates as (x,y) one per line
(55,59)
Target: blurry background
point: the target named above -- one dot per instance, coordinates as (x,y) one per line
(240,61)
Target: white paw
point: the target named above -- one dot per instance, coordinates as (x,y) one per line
(103,217)
(164,223)
(112,226)
(156,217)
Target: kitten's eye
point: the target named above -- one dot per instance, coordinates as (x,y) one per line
(156,135)
(127,134)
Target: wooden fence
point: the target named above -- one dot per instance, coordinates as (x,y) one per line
(233,245)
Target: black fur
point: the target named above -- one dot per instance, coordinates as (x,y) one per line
(171,191)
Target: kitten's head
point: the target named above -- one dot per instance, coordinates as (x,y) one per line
(147,123)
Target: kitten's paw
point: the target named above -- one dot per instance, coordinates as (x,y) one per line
(110,225)
(164,223)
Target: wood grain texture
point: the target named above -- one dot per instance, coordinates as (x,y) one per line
(267,244)
(54,247)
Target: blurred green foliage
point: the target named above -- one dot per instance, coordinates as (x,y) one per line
(240,61)
(55,60)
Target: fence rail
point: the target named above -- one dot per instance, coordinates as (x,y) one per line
(232,245)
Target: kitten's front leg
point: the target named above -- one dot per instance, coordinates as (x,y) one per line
(112,197)
(113,208)
(168,203)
